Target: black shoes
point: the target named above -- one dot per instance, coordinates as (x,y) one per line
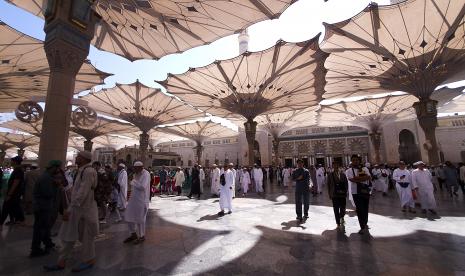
(230,212)
(131,238)
(139,240)
(220,214)
(38,253)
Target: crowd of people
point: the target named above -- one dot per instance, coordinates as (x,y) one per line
(88,194)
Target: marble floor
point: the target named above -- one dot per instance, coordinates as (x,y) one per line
(261,237)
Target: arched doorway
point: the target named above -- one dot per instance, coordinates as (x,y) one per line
(408,149)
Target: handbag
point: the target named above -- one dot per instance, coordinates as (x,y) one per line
(403,184)
(362,188)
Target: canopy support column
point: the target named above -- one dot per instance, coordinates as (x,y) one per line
(199,151)
(375,139)
(427,112)
(2,157)
(276,150)
(88,145)
(21,152)
(143,145)
(66,44)
(250,131)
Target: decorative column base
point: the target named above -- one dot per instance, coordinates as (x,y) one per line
(375,139)
(250,131)
(276,150)
(143,145)
(21,152)
(198,151)
(88,145)
(2,157)
(426,110)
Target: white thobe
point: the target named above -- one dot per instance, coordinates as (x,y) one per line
(245,181)
(380,183)
(258,179)
(320,179)
(215,175)
(202,179)
(286,177)
(405,194)
(179,178)
(226,191)
(123,189)
(421,179)
(138,204)
(82,224)
(234,183)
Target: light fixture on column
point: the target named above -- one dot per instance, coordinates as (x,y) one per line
(29,112)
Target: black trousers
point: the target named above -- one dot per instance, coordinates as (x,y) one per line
(339,207)
(302,196)
(13,209)
(42,230)
(361,203)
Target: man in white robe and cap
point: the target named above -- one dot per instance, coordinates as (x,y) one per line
(258,178)
(138,204)
(226,190)
(287,172)
(245,181)
(380,176)
(121,190)
(422,183)
(215,176)
(234,184)
(80,219)
(404,187)
(320,178)
(202,178)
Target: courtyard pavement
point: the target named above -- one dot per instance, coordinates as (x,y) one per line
(261,237)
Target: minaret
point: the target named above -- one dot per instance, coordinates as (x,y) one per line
(243,42)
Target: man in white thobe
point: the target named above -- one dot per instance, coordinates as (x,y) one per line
(215,176)
(245,181)
(320,178)
(404,187)
(179,178)
(80,219)
(421,180)
(287,177)
(234,183)
(138,205)
(380,179)
(258,178)
(121,191)
(202,178)
(226,191)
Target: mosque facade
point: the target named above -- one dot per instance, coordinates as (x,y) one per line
(322,145)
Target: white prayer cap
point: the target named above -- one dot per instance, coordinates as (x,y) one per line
(138,164)
(121,165)
(214,165)
(231,164)
(85,154)
(418,163)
